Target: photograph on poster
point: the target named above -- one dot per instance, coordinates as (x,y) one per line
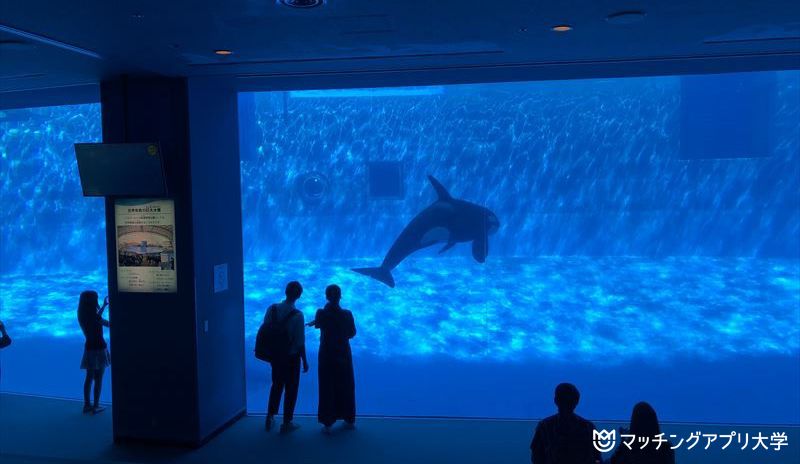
(145,246)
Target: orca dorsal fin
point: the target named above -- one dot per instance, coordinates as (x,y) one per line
(441,192)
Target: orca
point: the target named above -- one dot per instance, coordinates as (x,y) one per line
(448,220)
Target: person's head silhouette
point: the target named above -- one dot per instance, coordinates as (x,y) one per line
(566,397)
(88,300)
(333,294)
(293,291)
(644,421)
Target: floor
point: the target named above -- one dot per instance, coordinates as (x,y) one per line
(44,430)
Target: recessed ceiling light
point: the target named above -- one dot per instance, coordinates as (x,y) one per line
(561,28)
(302,3)
(626,17)
(223,52)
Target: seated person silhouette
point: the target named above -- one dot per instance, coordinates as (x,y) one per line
(644,423)
(564,438)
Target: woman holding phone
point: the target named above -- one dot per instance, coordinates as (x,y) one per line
(95,352)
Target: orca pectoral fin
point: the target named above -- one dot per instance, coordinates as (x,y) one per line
(480,249)
(447,247)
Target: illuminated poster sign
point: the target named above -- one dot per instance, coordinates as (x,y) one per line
(146,246)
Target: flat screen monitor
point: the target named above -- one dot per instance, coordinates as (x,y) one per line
(121,169)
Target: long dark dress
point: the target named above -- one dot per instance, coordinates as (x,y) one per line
(337,388)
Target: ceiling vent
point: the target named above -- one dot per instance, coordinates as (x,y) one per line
(302,3)
(626,17)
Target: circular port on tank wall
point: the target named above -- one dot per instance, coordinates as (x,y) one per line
(313,187)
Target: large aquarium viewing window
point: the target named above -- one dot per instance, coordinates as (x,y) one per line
(52,246)
(637,237)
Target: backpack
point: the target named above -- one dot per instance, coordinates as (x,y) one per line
(272,339)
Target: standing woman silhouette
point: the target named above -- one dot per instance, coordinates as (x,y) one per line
(644,423)
(337,389)
(95,352)
(5,340)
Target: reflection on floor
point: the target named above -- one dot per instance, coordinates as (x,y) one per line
(38,430)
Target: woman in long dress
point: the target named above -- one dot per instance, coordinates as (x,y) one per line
(337,390)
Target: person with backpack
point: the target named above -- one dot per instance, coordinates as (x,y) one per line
(281,341)
(564,438)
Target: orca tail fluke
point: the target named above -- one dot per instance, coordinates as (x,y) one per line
(378,273)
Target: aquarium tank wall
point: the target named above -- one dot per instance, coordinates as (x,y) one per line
(638,237)
(52,247)
(638,255)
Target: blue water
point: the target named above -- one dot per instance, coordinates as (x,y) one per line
(614,310)
(618,265)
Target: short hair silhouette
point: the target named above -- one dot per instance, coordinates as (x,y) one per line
(644,421)
(293,290)
(567,397)
(333,293)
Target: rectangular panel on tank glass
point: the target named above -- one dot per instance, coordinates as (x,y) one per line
(146,245)
(727,116)
(386,179)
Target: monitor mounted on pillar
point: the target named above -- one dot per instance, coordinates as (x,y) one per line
(121,169)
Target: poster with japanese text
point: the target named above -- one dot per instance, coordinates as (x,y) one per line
(146,245)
